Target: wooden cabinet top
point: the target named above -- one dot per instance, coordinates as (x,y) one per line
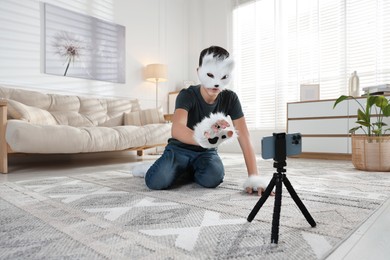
(324,100)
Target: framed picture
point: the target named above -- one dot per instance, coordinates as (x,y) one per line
(310,92)
(82,46)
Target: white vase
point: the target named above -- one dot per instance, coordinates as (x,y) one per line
(353,87)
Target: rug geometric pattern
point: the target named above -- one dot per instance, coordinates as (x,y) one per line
(114,215)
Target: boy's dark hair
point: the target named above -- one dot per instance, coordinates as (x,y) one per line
(217,51)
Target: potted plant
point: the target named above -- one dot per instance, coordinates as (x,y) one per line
(371,148)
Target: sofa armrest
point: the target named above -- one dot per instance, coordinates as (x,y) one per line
(3,143)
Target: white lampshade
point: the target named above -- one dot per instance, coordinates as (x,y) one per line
(156,72)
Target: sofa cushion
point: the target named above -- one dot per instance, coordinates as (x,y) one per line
(115,110)
(133,118)
(27,97)
(145,117)
(85,111)
(34,115)
(71,118)
(135,106)
(157,133)
(63,103)
(24,137)
(95,109)
(152,116)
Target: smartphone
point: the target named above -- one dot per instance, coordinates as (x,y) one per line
(293,145)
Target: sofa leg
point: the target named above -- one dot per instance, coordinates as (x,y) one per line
(140,152)
(4,162)
(3,142)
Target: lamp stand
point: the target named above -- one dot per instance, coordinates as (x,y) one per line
(157,152)
(157,93)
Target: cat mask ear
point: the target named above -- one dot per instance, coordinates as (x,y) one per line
(215,72)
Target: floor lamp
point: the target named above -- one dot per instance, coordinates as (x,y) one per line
(156,73)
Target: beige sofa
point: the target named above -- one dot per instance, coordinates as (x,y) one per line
(37,123)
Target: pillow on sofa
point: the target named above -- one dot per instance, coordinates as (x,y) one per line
(133,118)
(145,117)
(30,114)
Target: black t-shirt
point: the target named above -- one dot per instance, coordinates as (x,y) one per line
(191,100)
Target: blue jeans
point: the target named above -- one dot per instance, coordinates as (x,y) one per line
(205,168)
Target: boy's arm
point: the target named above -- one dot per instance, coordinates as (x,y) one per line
(249,153)
(179,130)
(246,146)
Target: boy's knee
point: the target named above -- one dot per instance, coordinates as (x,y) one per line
(210,183)
(160,177)
(210,178)
(156,182)
(154,186)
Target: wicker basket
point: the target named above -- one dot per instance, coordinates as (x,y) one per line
(371,153)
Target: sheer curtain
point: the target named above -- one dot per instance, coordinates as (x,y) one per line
(280,44)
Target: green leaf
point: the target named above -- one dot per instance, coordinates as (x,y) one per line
(371,100)
(386,111)
(363,123)
(362,116)
(381,102)
(353,130)
(379,124)
(340,99)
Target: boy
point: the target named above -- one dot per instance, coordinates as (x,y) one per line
(183,156)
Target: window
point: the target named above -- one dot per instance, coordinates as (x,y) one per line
(281,44)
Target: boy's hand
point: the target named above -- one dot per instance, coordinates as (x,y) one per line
(216,128)
(256,183)
(221,124)
(260,190)
(213,131)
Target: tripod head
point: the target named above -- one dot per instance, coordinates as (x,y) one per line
(280,152)
(280,145)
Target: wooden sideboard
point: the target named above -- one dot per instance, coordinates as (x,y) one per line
(325,131)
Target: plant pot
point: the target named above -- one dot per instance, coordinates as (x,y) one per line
(371,153)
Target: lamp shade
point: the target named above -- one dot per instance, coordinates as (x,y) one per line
(156,72)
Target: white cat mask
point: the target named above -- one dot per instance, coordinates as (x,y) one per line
(215,72)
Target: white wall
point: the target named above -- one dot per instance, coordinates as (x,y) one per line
(209,23)
(156,32)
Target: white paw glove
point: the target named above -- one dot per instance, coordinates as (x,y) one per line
(141,169)
(213,131)
(256,183)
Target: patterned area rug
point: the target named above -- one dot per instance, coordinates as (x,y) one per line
(112,215)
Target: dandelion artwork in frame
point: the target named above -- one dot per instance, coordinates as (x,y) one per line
(82,46)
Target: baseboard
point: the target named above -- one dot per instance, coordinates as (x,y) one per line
(324,156)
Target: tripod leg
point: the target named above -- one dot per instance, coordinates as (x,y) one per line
(277,208)
(263,198)
(298,201)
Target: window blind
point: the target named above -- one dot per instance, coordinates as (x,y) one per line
(279,45)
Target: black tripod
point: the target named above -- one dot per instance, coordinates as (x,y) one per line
(277,179)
